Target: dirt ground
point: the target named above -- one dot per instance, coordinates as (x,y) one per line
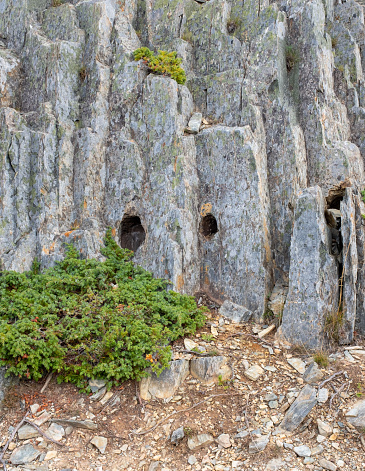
(230,407)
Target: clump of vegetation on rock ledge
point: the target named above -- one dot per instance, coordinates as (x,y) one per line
(90,319)
(164,63)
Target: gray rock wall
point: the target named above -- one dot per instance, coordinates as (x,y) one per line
(88,137)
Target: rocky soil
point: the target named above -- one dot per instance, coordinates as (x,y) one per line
(267,407)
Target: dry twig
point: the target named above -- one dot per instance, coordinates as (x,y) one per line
(11,439)
(42,433)
(330,379)
(337,391)
(49,377)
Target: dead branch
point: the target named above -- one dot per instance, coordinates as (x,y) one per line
(49,377)
(330,379)
(42,433)
(337,391)
(183,410)
(11,439)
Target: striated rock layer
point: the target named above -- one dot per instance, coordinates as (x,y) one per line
(266,194)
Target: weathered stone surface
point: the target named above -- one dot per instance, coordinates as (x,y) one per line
(324,429)
(313,275)
(88,136)
(24,454)
(258,444)
(194,124)
(302,450)
(300,408)
(165,385)
(323,395)
(209,370)
(312,374)
(297,364)
(199,441)
(177,435)
(235,312)
(27,431)
(100,443)
(254,372)
(356,415)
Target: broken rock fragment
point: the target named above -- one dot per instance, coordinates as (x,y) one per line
(203,439)
(194,124)
(300,408)
(24,454)
(210,370)
(165,385)
(235,312)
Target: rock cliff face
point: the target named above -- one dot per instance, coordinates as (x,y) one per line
(266,194)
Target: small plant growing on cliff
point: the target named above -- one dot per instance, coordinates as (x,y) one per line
(82,73)
(57,3)
(90,319)
(164,63)
(292,57)
(233,24)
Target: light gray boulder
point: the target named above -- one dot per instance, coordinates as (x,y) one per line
(210,370)
(235,312)
(165,385)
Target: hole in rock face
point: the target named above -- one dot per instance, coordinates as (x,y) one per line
(132,233)
(209,226)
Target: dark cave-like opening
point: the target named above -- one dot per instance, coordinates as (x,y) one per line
(208,226)
(132,233)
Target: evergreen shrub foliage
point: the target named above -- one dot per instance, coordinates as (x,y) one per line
(164,63)
(91,319)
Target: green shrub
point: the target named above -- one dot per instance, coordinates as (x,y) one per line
(164,63)
(90,319)
(57,3)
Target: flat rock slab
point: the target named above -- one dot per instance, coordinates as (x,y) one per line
(210,370)
(254,372)
(42,419)
(356,415)
(100,443)
(297,364)
(235,312)
(26,432)
(327,464)
(24,454)
(203,439)
(313,374)
(300,408)
(258,444)
(302,450)
(76,423)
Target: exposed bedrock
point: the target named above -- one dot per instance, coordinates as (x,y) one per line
(265,198)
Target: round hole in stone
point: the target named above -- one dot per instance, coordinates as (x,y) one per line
(132,233)
(208,226)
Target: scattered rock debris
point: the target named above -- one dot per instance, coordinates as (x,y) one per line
(262,416)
